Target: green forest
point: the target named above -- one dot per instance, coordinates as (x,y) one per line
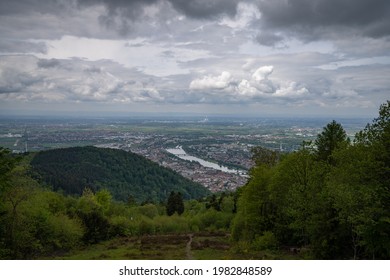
(124,174)
(328,200)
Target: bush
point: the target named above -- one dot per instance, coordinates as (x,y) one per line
(195,224)
(146,226)
(265,241)
(96,227)
(121,226)
(66,232)
(214,220)
(148,210)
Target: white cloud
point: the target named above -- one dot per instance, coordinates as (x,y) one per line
(261,86)
(255,86)
(73,81)
(139,52)
(231,53)
(291,90)
(262,73)
(212,82)
(246,89)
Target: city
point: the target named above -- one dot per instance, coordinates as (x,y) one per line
(225,142)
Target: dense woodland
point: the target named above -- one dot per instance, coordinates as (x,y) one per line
(124,174)
(331,198)
(328,200)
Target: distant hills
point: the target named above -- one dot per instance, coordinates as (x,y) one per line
(125,174)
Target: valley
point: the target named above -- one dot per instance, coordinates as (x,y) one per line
(224,141)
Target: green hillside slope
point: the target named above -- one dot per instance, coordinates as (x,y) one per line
(123,173)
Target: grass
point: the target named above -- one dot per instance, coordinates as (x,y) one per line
(143,248)
(204,246)
(151,247)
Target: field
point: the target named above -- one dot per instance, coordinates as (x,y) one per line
(192,246)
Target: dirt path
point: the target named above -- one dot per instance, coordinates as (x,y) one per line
(188,248)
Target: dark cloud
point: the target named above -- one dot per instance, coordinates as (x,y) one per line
(268,39)
(93,70)
(114,5)
(40,20)
(12,80)
(125,16)
(192,8)
(121,15)
(314,19)
(18,46)
(309,19)
(57,64)
(48,63)
(177,51)
(54,18)
(31,6)
(120,18)
(120,12)
(205,8)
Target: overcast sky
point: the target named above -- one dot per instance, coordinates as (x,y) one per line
(255,57)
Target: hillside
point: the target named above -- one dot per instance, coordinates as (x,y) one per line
(123,173)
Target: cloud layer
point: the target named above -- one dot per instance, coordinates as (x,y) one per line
(314,19)
(287,56)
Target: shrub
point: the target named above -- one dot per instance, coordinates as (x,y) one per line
(66,233)
(121,226)
(265,241)
(148,210)
(146,226)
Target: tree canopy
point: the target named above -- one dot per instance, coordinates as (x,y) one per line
(331,138)
(332,201)
(175,204)
(122,173)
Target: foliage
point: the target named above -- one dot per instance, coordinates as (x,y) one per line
(261,155)
(331,138)
(265,241)
(333,201)
(38,222)
(125,175)
(254,209)
(175,204)
(7,164)
(330,203)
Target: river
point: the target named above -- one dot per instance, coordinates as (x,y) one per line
(180,153)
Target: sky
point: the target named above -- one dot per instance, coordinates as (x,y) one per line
(229,57)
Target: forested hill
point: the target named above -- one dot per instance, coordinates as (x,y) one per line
(124,174)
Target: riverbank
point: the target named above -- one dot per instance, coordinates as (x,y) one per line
(180,153)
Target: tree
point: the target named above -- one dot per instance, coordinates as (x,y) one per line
(331,138)
(366,182)
(7,164)
(103,197)
(213,203)
(171,205)
(253,211)
(379,130)
(358,198)
(175,204)
(92,215)
(179,203)
(300,214)
(376,136)
(13,199)
(265,156)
